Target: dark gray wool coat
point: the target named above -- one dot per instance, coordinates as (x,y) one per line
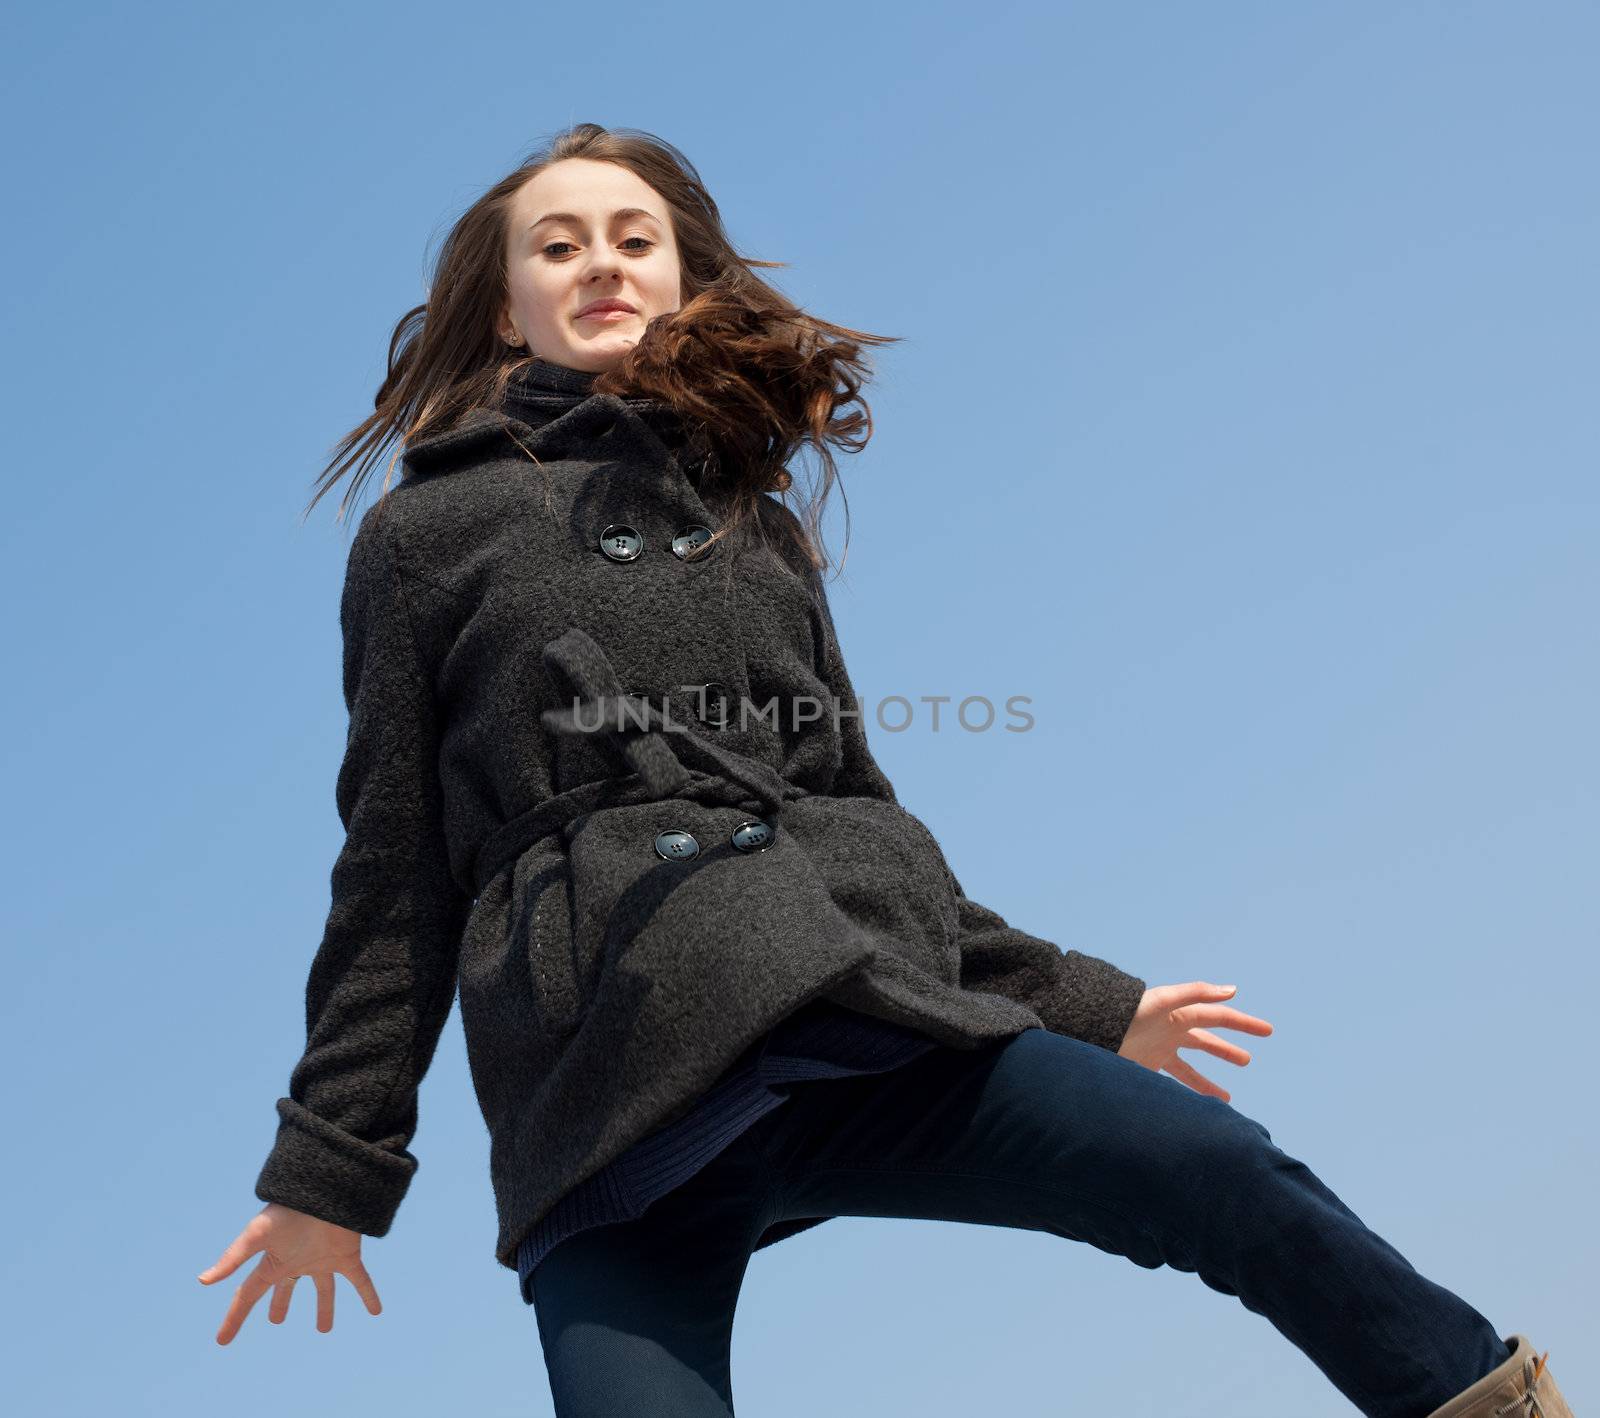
(624,899)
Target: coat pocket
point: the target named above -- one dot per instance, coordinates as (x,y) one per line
(939,880)
(542,936)
(886,872)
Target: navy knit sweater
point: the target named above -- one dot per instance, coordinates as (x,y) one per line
(821,1040)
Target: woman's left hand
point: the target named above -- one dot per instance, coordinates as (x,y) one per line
(1169,1018)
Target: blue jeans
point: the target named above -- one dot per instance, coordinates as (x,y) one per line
(1038,1131)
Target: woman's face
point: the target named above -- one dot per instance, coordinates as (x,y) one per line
(583,231)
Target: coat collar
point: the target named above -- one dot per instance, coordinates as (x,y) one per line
(542,377)
(546,407)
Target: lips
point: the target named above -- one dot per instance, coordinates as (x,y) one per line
(606,307)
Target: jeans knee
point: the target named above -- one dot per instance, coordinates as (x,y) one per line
(1230,1150)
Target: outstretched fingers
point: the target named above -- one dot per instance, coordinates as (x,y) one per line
(1223,1016)
(1184,1073)
(356,1274)
(251,1288)
(282,1293)
(324,1282)
(1192,1017)
(240,1249)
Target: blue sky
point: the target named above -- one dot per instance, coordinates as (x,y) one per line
(1244,419)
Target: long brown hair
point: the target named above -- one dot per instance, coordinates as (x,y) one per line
(751,375)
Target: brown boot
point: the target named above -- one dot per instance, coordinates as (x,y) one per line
(1522,1387)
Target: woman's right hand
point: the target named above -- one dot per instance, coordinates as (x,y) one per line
(295,1244)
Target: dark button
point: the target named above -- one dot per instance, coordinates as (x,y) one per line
(713,703)
(676,845)
(752,836)
(690,540)
(620,542)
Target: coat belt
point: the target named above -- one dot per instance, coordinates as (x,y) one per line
(667,759)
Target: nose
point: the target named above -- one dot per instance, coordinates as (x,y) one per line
(604,263)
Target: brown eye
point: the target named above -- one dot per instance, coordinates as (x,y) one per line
(552,245)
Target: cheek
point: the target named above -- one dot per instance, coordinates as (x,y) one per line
(664,290)
(535,295)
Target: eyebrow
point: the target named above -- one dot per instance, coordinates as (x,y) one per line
(621,214)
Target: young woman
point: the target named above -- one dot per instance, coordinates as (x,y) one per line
(606,774)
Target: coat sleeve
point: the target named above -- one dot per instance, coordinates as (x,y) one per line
(383,980)
(1072,993)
